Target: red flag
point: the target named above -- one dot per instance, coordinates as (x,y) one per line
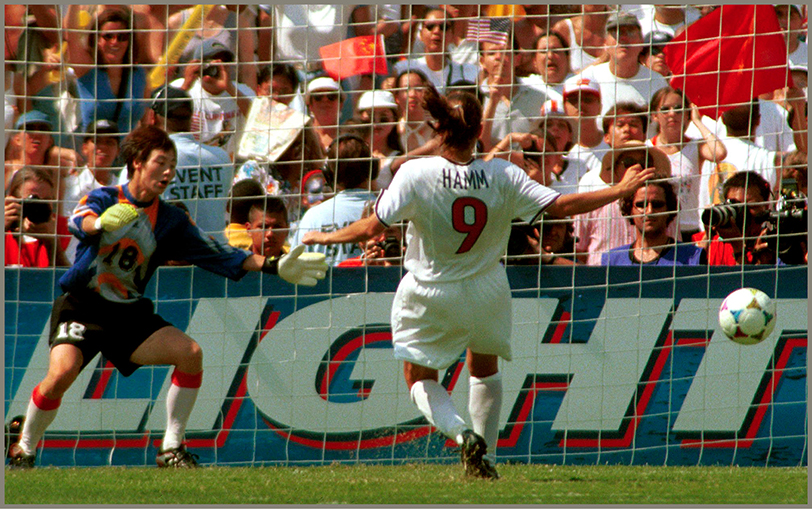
(730,56)
(351,57)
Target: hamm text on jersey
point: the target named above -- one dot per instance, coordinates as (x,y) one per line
(453,179)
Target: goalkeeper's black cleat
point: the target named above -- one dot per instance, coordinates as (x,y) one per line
(18,459)
(472,454)
(14,430)
(176,458)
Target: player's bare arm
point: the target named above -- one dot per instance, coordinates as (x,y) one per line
(361,230)
(579,203)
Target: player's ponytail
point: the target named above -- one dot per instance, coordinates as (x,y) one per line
(457,117)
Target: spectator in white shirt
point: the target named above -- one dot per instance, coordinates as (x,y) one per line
(792,22)
(221,105)
(552,61)
(100,149)
(324,100)
(668,19)
(585,35)
(436,64)
(623,78)
(582,102)
(742,154)
(511,105)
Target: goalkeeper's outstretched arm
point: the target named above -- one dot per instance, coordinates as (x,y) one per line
(296,267)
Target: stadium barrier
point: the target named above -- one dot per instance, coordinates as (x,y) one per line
(610,366)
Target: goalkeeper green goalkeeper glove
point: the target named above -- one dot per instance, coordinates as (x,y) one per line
(297,267)
(116,216)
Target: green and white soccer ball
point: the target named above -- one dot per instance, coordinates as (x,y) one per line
(747,316)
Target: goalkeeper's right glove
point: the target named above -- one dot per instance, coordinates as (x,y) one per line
(116,216)
(297,267)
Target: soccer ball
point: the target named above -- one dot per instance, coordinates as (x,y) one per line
(747,316)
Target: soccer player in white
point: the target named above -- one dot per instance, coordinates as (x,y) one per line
(456,293)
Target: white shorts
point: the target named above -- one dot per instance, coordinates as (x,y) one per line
(433,323)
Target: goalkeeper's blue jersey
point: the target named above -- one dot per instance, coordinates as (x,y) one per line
(118,265)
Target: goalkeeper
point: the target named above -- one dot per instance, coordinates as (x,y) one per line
(125,233)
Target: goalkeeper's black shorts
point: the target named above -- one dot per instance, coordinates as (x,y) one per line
(94,324)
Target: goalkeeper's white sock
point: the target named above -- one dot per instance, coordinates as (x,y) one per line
(484,405)
(435,403)
(180,399)
(40,414)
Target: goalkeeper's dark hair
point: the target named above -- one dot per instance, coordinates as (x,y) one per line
(458,117)
(140,143)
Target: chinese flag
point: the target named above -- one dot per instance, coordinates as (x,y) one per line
(351,57)
(728,57)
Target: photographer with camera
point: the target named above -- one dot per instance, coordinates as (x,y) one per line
(385,250)
(34,235)
(221,104)
(747,230)
(548,242)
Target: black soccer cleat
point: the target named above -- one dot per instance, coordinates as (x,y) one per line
(176,458)
(18,459)
(14,429)
(471,453)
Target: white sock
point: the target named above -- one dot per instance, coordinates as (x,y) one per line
(180,400)
(484,405)
(434,402)
(40,414)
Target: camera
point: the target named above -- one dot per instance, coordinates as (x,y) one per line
(533,156)
(210,70)
(517,242)
(35,209)
(786,227)
(724,215)
(391,247)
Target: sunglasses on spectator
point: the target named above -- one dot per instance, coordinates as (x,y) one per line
(655,50)
(676,109)
(120,37)
(431,26)
(655,204)
(324,97)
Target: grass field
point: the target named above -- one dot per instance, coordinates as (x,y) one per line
(408,484)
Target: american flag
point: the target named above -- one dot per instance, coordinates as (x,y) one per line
(493,30)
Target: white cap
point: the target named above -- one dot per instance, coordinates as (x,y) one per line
(576,83)
(376,99)
(553,108)
(323,84)
(798,66)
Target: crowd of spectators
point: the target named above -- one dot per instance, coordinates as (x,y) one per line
(573,94)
